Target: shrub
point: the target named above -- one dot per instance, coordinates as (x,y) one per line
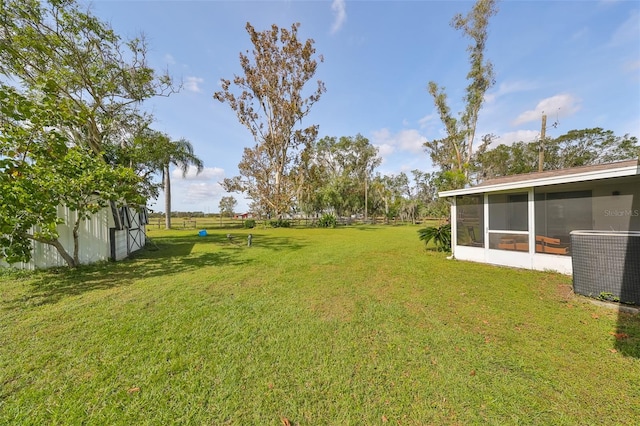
(249,224)
(280,223)
(327,221)
(441,236)
(609,297)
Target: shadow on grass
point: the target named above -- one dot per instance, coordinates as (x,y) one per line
(628,334)
(628,330)
(366,227)
(162,256)
(259,240)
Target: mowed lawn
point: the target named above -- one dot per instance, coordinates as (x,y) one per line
(347,326)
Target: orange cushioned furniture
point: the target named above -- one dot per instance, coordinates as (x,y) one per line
(549,245)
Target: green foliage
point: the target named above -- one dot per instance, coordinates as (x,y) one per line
(152,151)
(57,48)
(280,223)
(35,190)
(449,179)
(573,149)
(327,221)
(336,174)
(440,235)
(269,100)
(609,297)
(249,224)
(70,108)
(227,205)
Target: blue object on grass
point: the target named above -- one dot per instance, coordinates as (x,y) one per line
(203,233)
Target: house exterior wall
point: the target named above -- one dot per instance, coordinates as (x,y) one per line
(619,212)
(612,205)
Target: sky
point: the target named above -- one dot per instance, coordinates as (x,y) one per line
(578,62)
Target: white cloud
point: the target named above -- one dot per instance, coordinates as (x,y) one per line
(580,34)
(411,140)
(339,9)
(208,173)
(628,31)
(561,105)
(426,120)
(385,149)
(196,193)
(192,84)
(632,67)
(509,87)
(405,140)
(169,59)
(194,190)
(510,138)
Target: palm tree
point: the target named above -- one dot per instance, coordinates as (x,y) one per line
(441,236)
(180,154)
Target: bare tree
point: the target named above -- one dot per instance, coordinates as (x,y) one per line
(454,152)
(269,101)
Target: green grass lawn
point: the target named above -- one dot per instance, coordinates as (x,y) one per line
(347,326)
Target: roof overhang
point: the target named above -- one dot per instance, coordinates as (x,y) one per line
(580,174)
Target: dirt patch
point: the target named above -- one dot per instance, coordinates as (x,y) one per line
(333,308)
(564,291)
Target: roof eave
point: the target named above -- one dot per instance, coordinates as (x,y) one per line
(546,181)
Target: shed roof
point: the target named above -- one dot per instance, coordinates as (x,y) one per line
(551,177)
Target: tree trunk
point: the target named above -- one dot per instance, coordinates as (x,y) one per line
(167,197)
(71,263)
(76,242)
(386,210)
(366,200)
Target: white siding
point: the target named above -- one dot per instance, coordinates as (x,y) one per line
(94,244)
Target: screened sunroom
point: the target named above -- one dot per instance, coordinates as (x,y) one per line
(526,221)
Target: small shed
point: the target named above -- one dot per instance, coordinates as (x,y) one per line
(526,221)
(111,234)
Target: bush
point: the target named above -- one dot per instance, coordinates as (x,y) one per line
(280,223)
(327,221)
(249,224)
(441,236)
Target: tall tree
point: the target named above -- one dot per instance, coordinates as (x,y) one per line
(83,85)
(227,206)
(454,152)
(310,181)
(54,46)
(573,149)
(179,153)
(268,99)
(388,191)
(347,164)
(151,152)
(40,172)
(590,146)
